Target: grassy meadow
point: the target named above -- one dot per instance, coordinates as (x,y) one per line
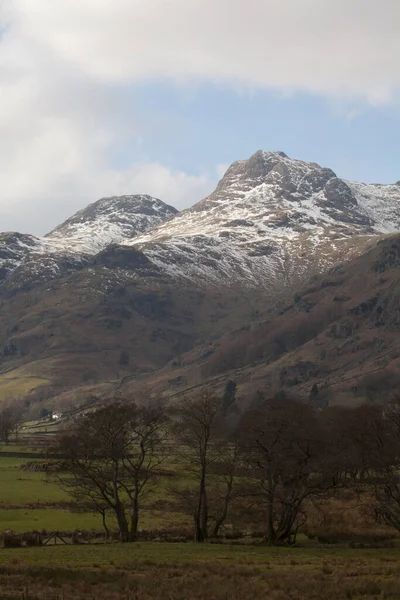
(242,569)
(31,500)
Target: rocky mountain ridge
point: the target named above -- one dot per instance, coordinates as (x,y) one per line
(272,220)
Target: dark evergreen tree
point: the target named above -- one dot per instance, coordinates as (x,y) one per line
(314,392)
(228,399)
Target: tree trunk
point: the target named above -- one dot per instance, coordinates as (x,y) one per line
(106,530)
(284,531)
(219,521)
(134,519)
(201,513)
(217,527)
(122,524)
(198,533)
(204,514)
(270,535)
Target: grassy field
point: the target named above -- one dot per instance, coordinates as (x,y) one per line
(19,486)
(189,572)
(17,387)
(30,500)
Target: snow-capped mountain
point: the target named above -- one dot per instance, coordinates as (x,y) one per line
(109,221)
(67,248)
(272,220)
(128,284)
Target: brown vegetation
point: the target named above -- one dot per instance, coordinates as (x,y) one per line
(341,332)
(227,575)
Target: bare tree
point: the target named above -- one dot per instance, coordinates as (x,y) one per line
(11,418)
(207,455)
(109,458)
(376,447)
(223,482)
(148,431)
(196,433)
(287,455)
(88,501)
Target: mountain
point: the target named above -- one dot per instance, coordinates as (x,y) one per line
(109,221)
(26,259)
(128,285)
(272,221)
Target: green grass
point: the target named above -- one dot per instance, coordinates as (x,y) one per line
(21,487)
(21,520)
(31,500)
(168,571)
(16,448)
(39,427)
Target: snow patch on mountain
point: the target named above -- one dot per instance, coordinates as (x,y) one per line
(381,203)
(109,221)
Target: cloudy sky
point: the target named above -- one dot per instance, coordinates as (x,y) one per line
(101,97)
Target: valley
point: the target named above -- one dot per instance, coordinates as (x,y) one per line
(199,300)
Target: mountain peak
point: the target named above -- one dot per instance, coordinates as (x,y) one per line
(111,220)
(268,212)
(265,154)
(264,210)
(117,209)
(287,178)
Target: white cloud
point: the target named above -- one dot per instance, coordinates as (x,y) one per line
(58,131)
(174,187)
(61,62)
(69,188)
(340,47)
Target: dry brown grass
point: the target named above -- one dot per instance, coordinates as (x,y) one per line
(230,574)
(347,517)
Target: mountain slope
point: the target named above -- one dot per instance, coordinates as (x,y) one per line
(117,316)
(340,332)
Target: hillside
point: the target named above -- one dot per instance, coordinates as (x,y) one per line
(341,332)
